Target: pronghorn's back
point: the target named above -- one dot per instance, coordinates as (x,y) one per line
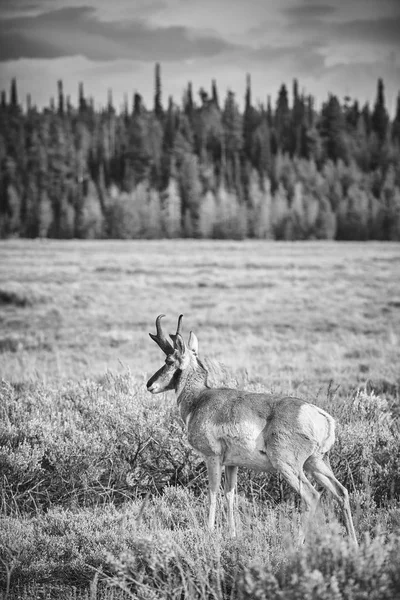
(245,427)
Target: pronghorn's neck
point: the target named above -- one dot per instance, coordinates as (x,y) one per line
(190,383)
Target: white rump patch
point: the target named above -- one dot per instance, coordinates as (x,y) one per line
(317,425)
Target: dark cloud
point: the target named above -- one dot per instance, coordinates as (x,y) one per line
(18,6)
(309,11)
(77,31)
(384,30)
(313,19)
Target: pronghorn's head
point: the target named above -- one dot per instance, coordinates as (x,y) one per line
(178,358)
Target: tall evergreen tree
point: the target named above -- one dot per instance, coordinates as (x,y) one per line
(250,121)
(214,93)
(110,105)
(298,121)
(379,118)
(60,97)
(137,104)
(282,119)
(332,129)
(188,103)
(269,112)
(366,113)
(13,94)
(396,123)
(233,140)
(81,98)
(158,109)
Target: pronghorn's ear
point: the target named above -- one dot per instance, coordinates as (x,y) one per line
(180,344)
(193,343)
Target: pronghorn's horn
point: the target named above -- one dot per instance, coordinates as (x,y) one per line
(173,336)
(160,338)
(178,329)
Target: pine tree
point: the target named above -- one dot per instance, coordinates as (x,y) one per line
(214,93)
(396,123)
(110,105)
(366,114)
(298,122)
(189,188)
(188,104)
(155,139)
(81,99)
(158,109)
(233,140)
(169,133)
(60,97)
(261,149)
(250,121)
(332,128)
(13,94)
(138,155)
(270,118)
(29,214)
(353,215)
(379,118)
(282,120)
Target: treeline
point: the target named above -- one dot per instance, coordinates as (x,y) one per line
(201,169)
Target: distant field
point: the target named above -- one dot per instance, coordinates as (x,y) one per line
(294,315)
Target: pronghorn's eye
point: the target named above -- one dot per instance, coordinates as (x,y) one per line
(170,362)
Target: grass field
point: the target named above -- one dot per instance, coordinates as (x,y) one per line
(291,314)
(82,442)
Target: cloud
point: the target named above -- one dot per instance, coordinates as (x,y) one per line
(307,12)
(374,31)
(77,31)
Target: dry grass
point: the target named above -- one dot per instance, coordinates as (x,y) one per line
(294,315)
(304,318)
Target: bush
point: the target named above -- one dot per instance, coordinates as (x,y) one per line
(90,442)
(329,568)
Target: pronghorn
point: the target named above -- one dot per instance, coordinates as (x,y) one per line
(234,428)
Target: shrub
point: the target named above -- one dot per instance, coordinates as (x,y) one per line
(329,568)
(92,442)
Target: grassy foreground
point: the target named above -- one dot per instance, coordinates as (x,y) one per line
(101,497)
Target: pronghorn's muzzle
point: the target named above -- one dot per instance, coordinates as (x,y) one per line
(152,386)
(155,383)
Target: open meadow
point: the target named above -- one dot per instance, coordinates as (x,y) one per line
(98,483)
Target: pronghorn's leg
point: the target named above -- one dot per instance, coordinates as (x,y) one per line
(321,471)
(214,469)
(309,495)
(229,488)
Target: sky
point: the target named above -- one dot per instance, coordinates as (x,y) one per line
(330,46)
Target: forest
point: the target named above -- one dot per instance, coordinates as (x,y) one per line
(283,170)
